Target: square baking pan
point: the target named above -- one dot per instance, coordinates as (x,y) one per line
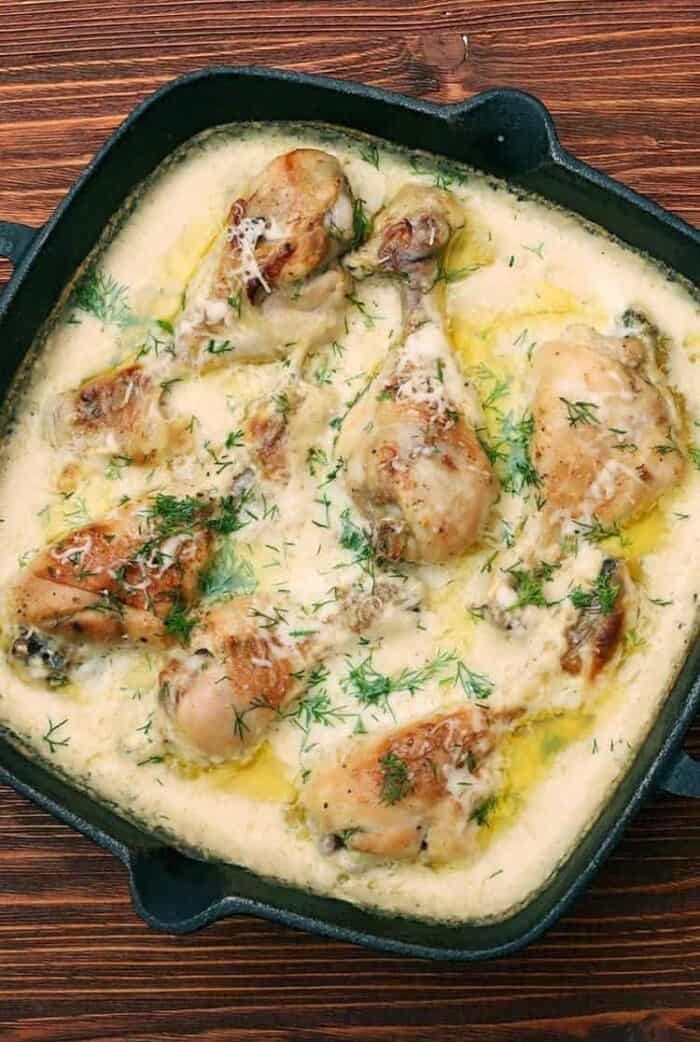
(502,132)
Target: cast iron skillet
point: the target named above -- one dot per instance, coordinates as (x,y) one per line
(503,132)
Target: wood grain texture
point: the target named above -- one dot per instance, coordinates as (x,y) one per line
(622,78)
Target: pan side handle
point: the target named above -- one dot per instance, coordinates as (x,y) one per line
(506,131)
(683,777)
(173,892)
(15,240)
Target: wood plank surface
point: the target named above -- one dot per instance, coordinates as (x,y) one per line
(622,78)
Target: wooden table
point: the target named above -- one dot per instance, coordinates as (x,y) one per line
(622,80)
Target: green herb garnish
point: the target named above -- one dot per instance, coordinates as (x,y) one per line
(99,294)
(396,780)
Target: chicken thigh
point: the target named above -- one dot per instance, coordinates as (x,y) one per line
(607,432)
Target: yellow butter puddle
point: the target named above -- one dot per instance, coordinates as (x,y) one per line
(262,777)
(530,751)
(528,755)
(177,269)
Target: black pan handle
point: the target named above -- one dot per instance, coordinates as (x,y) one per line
(15,240)
(507,131)
(683,777)
(173,892)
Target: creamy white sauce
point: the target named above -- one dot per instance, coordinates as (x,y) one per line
(535,270)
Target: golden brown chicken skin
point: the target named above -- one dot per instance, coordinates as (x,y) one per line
(398,795)
(270,285)
(121,412)
(607,434)
(242,669)
(297,220)
(113,579)
(595,636)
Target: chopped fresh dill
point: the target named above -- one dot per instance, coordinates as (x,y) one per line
(281,401)
(234,440)
(323,373)
(356,540)
(220,462)
(367,317)
(222,347)
(227,575)
(633,641)
(396,780)
(156,346)
(228,519)
(370,687)
(450,275)
(336,422)
(500,388)
(99,294)
(170,516)
(145,729)
(666,448)
(51,738)
(580,412)
(361,223)
(519,472)
(77,513)
(323,501)
(178,622)
(529,584)
(488,563)
(337,468)
(315,708)
(538,250)
(475,685)
(483,811)
(370,154)
(315,458)
(116,467)
(447,176)
(596,532)
(601,598)
(694,453)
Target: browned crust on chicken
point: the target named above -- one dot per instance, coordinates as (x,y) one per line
(267,431)
(222,698)
(296,191)
(594,638)
(99,583)
(388,796)
(112,399)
